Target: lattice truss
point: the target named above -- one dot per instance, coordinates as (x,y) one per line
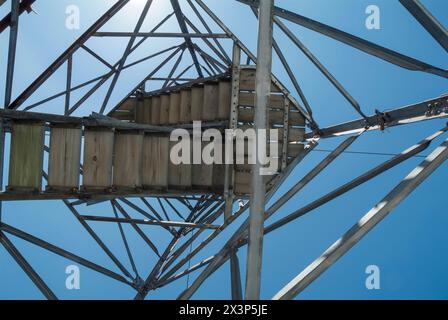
(202,52)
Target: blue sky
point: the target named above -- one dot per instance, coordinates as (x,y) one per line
(409,246)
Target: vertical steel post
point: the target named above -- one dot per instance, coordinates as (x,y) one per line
(15,5)
(229,169)
(258,188)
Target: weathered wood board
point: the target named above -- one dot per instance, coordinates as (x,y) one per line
(225,99)
(64,158)
(247,99)
(294,134)
(197,102)
(211,102)
(139,111)
(174,112)
(164,109)
(155,162)
(179,175)
(147,114)
(275,116)
(243,182)
(202,174)
(155,110)
(185,106)
(26,157)
(98,156)
(128,157)
(247,80)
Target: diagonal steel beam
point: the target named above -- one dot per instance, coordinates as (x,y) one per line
(63,253)
(26,267)
(150,222)
(134,225)
(160,66)
(428,21)
(184,29)
(405,155)
(98,240)
(15,13)
(126,53)
(151,280)
(218,260)
(241,234)
(250,55)
(204,23)
(25,5)
(427,110)
(355,42)
(319,65)
(366,224)
(67,53)
(239,238)
(174,68)
(125,243)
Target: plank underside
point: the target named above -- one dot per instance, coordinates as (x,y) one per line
(128,160)
(64,158)
(26,158)
(98,152)
(155,162)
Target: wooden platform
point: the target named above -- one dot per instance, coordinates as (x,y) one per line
(105,160)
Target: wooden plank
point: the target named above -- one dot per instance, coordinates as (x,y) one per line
(26,157)
(295,134)
(155,110)
(128,151)
(275,116)
(248,167)
(128,105)
(241,185)
(139,111)
(296,118)
(174,111)
(123,115)
(197,102)
(225,100)
(164,108)
(294,150)
(155,162)
(202,174)
(219,171)
(179,176)
(64,159)
(243,182)
(97,164)
(185,106)
(147,106)
(247,81)
(247,99)
(211,102)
